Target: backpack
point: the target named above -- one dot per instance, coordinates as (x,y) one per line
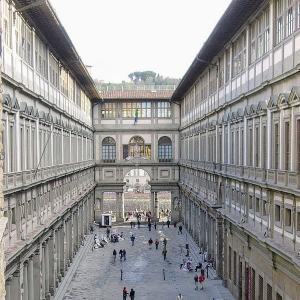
(196,278)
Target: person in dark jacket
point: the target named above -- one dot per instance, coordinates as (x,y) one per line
(132,294)
(125,293)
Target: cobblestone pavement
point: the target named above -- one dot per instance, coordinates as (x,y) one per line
(98,277)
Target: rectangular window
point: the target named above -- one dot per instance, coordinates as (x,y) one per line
(253,284)
(242,147)
(290,18)
(259,36)
(264,147)
(288,217)
(257,146)
(257,205)
(234,268)
(41,57)
(11,148)
(163,110)
(136,109)
(108,111)
(269,292)
(264,208)
(7,24)
(125,151)
(227,70)
(277,213)
(250,202)
(239,55)
(229,263)
(276,146)
(250,147)
(64,82)
(279,9)
(221,72)
(260,288)
(287,145)
(54,71)
(278,296)
(232,148)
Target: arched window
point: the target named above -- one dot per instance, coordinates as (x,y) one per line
(108,149)
(136,147)
(165,149)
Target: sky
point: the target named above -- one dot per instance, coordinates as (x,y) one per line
(118,37)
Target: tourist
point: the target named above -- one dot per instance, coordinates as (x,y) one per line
(201,281)
(131,223)
(156,244)
(125,293)
(114,255)
(168,223)
(155,225)
(132,238)
(149,226)
(179,297)
(199,266)
(150,242)
(121,254)
(180,229)
(132,294)
(164,253)
(124,254)
(196,282)
(165,242)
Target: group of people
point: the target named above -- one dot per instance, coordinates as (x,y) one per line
(199,280)
(131,293)
(122,254)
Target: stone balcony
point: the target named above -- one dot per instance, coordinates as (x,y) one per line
(15,180)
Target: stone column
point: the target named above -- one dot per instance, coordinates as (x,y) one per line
(120,208)
(219,257)
(70,239)
(51,267)
(15,286)
(8,284)
(152,203)
(43,270)
(156,207)
(225,256)
(30,278)
(25,280)
(61,238)
(37,275)
(175,207)
(99,205)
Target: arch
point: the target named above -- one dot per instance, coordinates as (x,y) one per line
(165,149)
(108,149)
(136,147)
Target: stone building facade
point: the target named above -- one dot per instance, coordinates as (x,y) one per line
(48,179)
(136,129)
(240,148)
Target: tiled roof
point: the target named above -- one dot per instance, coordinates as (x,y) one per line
(131,94)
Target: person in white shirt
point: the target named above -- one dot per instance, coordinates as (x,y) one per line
(179,297)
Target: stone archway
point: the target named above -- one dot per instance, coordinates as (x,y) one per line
(136,194)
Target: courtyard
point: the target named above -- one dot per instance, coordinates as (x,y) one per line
(97,276)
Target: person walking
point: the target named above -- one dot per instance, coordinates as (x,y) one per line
(131,223)
(121,254)
(201,281)
(132,294)
(179,297)
(180,229)
(168,223)
(155,225)
(156,244)
(149,226)
(164,253)
(196,282)
(132,238)
(124,254)
(114,255)
(150,242)
(125,293)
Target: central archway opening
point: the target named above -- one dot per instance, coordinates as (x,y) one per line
(137,194)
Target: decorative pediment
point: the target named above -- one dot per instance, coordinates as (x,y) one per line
(272,103)
(31,111)
(49,118)
(294,96)
(6,100)
(261,107)
(15,103)
(224,118)
(247,111)
(42,115)
(24,108)
(282,99)
(240,113)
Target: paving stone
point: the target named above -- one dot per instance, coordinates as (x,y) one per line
(98,277)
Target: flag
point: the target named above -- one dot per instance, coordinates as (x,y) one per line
(136,115)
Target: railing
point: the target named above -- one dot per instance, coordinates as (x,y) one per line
(18,179)
(273,177)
